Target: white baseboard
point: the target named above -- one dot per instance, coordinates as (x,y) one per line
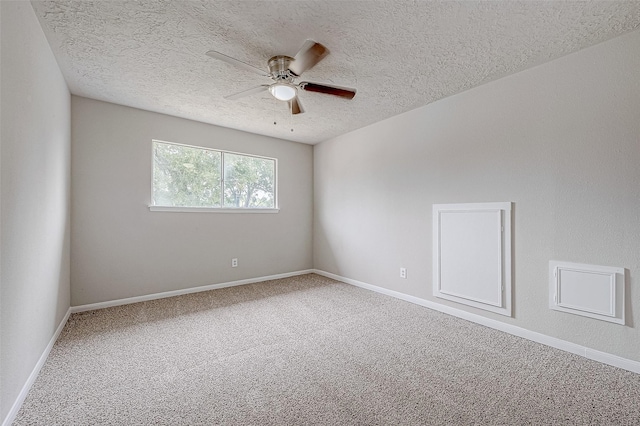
(595,355)
(603,357)
(34,373)
(154,296)
(43,358)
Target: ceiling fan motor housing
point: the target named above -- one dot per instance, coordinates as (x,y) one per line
(279,68)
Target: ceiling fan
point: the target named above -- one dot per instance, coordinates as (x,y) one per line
(284,70)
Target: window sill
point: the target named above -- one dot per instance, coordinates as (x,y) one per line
(208,210)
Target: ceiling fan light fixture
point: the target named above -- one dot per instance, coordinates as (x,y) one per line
(283,92)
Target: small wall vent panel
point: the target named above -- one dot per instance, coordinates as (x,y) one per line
(588,290)
(472,254)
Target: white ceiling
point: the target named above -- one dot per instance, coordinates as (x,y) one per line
(399,55)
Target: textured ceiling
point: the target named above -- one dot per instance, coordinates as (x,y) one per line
(399,55)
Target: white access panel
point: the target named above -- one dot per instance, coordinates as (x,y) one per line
(588,290)
(472,254)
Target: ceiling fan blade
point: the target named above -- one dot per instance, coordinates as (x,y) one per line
(248,92)
(309,54)
(343,92)
(296,106)
(236,62)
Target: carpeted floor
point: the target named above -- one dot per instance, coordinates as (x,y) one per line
(310,350)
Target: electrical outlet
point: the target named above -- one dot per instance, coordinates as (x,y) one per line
(234,262)
(403,272)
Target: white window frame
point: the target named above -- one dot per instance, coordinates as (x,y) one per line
(221,209)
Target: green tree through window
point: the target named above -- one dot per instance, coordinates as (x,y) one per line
(185,176)
(248,181)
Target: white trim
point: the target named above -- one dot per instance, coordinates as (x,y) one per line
(611,309)
(82,308)
(154,296)
(592,354)
(595,355)
(503,287)
(13,412)
(275,209)
(209,210)
(615,313)
(206,148)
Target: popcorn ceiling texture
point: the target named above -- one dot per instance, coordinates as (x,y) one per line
(399,54)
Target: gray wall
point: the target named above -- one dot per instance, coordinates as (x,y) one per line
(121,249)
(560,140)
(34,215)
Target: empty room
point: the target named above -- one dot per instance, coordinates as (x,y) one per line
(319,212)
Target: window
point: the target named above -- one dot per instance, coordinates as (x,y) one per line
(194,178)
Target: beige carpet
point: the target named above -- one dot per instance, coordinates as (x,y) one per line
(310,350)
